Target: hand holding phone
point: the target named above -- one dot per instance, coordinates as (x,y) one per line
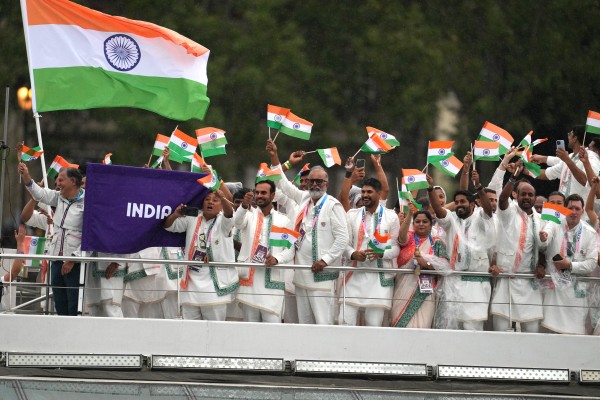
(360,163)
(557,257)
(190,211)
(560,144)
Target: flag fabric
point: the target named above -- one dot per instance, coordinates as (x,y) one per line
(493,133)
(295,126)
(330,156)
(389,139)
(282,237)
(34,245)
(159,144)
(532,167)
(592,124)
(220,150)
(182,146)
(276,115)
(212,141)
(30,153)
(107,160)
(526,142)
(211,181)
(125,207)
(538,141)
(451,166)
(379,243)
(81,58)
(376,145)
(57,164)
(487,151)
(266,174)
(299,174)
(554,213)
(439,150)
(158,162)
(407,196)
(414,179)
(197,163)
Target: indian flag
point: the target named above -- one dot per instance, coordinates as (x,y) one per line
(212,141)
(450,166)
(299,174)
(532,167)
(376,145)
(295,126)
(266,174)
(538,141)
(493,133)
(555,213)
(107,160)
(34,245)
(379,243)
(182,145)
(592,125)
(197,163)
(57,164)
(276,115)
(407,196)
(159,144)
(282,237)
(526,142)
(330,156)
(414,179)
(389,139)
(30,154)
(80,58)
(488,151)
(439,150)
(211,181)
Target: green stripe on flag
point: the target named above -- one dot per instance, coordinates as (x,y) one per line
(592,129)
(279,243)
(80,88)
(548,217)
(292,132)
(213,152)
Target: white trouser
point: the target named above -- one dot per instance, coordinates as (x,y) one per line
(501,325)
(348,315)
(208,313)
(132,309)
(290,311)
(472,325)
(169,306)
(315,306)
(105,310)
(252,314)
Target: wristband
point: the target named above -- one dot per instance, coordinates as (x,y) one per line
(348,174)
(512,181)
(287,164)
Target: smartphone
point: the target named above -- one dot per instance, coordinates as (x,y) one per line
(190,211)
(557,257)
(360,163)
(560,144)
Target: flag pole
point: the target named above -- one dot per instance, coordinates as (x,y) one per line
(355,154)
(277,134)
(308,152)
(584,133)
(269,131)
(473,156)
(150,159)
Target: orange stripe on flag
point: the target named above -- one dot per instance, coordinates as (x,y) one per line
(382,144)
(62,12)
(440,144)
(496,129)
(294,118)
(594,115)
(186,138)
(277,110)
(563,210)
(162,138)
(482,144)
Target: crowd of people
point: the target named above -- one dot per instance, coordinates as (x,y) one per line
(498,265)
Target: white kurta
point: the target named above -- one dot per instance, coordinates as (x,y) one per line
(98,289)
(468,242)
(568,184)
(566,308)
(371,289)
(261,288)
(517,248)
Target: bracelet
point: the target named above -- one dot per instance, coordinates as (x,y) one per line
(287,164)
(512,181)
(348,174)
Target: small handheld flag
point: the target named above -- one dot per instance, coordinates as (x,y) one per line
(451,166)
(379,243)
(211,181)
(282,237)
(389,139)
(414,179)
(212,141)
(592,124)
(299,174)
(295,126)
(276,115)
(197,163)
(487,151)
(34,245)
(107,160)
(555,213)
(266,174)
(30,154)
(493,133)
(376,145)
(330,156)
(439,150)
(57,164)
(182,146)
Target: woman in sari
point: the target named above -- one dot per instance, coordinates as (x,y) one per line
(413,304)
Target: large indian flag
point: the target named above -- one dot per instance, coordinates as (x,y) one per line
(80,58)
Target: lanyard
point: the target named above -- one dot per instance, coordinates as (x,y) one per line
(563,247)
(305,211)
(376,223)
(430,242)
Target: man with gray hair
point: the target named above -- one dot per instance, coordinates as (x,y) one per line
(323,238)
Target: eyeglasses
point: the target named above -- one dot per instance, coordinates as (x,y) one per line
(317,182)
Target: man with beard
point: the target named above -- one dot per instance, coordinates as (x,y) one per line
(370,290)
(469,233)
(572,251)
(321,222)
(261,291)
(517,248)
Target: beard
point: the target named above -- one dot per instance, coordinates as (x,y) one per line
(316,193)
(462,212)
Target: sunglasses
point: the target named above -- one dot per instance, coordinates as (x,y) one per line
(318,182)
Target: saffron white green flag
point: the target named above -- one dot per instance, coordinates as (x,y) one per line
(493,133)
(211,181)
(439,150)
(276,115)
(379,243)
(450,166)
(592,124)
(389,139)
(555,213)
(57,164)
(486,151)
(295,126)
(182,146)
(212,141)
(330,156)
(282,237)
(197,163)
(81,58)
(34,245)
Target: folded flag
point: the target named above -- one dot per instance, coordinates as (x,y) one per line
(182,146)
(276,115)
(57,164)
(282,237)
(439,150)
(487,151)
(81,58)
(299,174)
(414,179)
(159,144)
(295,126)
(34,245)
(211,181)
(450,166)
(538,141)
(375,144)
(379,243)
(532,167)
(330,156)
(407,196)
(493,133)
(107,160)
(266,174)
(592,124)
(555,213)
(197,163)
(30,153)
(389,139)
(526,142)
